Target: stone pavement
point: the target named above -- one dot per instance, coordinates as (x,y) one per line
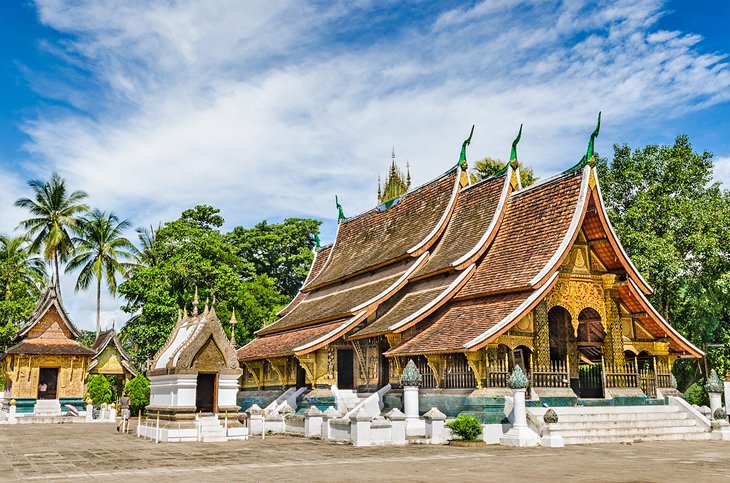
(73,452)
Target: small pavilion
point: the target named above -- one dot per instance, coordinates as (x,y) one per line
(196,371)
(111,359)
(46,369)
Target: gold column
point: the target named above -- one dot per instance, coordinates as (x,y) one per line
(478,366)
(613,344)
(542,337)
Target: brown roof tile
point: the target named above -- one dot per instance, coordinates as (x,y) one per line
(283,343)
(474,211)
(337,301)
(379,237)
(50,347)
(535,223)
(407,305)
(453,326)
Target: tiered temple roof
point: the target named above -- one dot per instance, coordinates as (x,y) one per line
(49,330)
(451,267)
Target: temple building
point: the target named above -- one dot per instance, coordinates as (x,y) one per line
(46,370)
(469,280)
(111,360)
(196,371)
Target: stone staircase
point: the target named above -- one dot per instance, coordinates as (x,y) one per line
(211,430)
(351,398)
(624,424)
(47,407)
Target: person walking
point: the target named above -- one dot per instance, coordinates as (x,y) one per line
(124,405)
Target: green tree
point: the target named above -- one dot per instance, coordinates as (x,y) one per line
(54,212)
(101,253)
(281,251)
(675,224)
(139,393)
(191,252)
(22,277)
(487,167)
(99,389)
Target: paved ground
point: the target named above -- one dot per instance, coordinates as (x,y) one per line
(72,452)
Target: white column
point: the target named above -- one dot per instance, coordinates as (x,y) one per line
(519,434)
(727,396)
(360,428)
(255,419)
(398,426)
(12,418)
(89,413)
(312,422)
(227,390)
(435,425)
(329,414)
(715,403)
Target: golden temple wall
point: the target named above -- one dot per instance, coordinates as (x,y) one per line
(24,370)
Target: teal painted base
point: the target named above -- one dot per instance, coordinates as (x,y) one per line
(321,402)
(76,402)
(25,405)
(246,399)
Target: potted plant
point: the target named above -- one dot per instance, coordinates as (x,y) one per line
(467,429)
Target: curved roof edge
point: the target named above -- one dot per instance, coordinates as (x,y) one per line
(649,308)
(616,243)
(325,339)
(524,308)
(491,232)
(554,263)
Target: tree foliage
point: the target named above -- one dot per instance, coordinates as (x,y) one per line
(466,427)
(191,252)
(281,251)
(99,389)
(487,167)
(54,213)
(139,393)
(675,224)
(22,277)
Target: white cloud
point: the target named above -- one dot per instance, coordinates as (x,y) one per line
(722,170)
(254,108)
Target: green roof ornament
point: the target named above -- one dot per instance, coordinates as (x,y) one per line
(462,157)
(341,214)
(589,158)
(513,154)
(317,243)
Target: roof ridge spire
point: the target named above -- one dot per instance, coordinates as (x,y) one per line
(462,156)
(341,214)
(513,155)
(195,302)
(233,322)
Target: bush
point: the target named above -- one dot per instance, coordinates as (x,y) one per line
(466,427)
(99,389)
(696,394)
(139,393)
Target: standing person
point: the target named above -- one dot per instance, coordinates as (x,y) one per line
(42,388)
(124,405)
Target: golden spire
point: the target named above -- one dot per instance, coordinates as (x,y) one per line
(195,302)
(233,323)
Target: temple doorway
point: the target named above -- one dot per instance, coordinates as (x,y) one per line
(558,322)
(47,382)
(345,366)
(590,341)
(384,371)
(205,393)
(301,376)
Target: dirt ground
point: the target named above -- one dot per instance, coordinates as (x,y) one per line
(72,452)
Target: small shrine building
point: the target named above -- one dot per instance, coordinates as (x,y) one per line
(47,364)
(196,371)
(469,280)
(111,360)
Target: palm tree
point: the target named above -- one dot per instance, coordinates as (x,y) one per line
(147,255)
(55,212)
(18,265)
(101,252)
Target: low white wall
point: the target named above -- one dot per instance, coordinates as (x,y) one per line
(340,430)
(294,424)
(227,390)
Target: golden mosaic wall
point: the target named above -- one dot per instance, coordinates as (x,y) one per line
(24,370)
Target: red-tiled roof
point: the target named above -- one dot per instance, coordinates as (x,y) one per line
(283,343)
(378,237)
(459,323)
(338,301)
(50,347)
(534,227)
(475,209)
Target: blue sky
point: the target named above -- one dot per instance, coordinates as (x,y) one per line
(269,109)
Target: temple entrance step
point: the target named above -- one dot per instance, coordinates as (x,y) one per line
(351,398)
(48,407)
(211,430)
(623,424)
